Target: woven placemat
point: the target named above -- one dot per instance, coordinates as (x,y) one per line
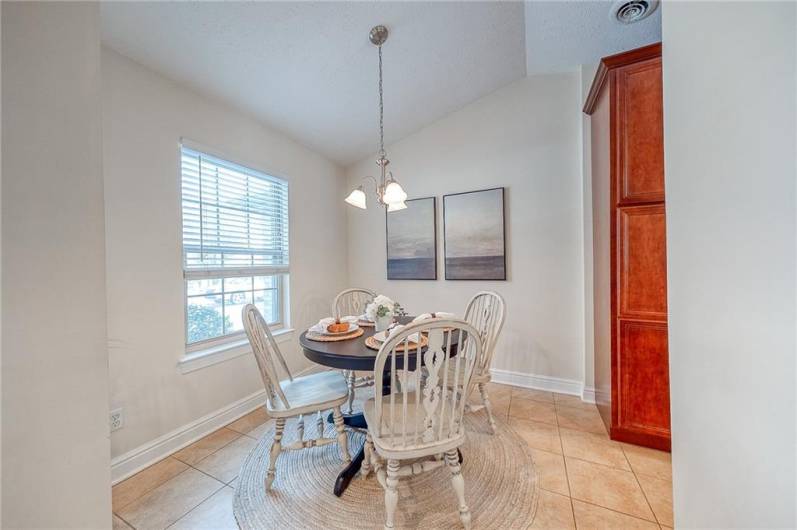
(335,338)
(376,345)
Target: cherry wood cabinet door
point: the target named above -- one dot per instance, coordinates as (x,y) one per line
(643,406)
(640,142)
(640,364)
(642,263)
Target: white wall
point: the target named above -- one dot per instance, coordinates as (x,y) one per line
(586,76)
(525,137)
(729,131)
(55,362)
(145,116)
(1,269)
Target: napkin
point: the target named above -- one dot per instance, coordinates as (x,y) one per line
(398,327)
(438,314)
(321,327)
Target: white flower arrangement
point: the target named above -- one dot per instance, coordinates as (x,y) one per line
(382,307)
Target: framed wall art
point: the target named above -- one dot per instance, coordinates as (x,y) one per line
(412,241)
(474,235)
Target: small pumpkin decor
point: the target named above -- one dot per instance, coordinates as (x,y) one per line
(338,327)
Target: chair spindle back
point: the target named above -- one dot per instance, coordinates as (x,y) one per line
(438,402)
(265,349)
(486,312)
(352,302)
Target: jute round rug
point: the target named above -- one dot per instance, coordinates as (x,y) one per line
(500,486)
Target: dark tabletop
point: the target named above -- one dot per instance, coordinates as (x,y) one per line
(350,354)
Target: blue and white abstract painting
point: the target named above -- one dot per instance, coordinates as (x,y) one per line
(473,225)
(412,241)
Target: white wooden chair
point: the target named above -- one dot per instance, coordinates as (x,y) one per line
(352,302)
(485,312)
(424,418)
(294,396)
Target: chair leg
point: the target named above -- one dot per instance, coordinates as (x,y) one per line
(276,447)
(368,448)
(391,493)
(300,427)
(487,405)
(319,421)
(351,378)
(343,440)
(452,459)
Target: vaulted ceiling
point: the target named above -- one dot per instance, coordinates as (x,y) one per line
(308,69)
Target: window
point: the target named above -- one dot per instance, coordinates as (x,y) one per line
(235,247)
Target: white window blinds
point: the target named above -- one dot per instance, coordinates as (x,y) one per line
(235,219)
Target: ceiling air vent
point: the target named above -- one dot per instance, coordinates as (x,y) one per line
(630,11)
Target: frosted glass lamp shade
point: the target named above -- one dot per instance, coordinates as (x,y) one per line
(393,193)
(357,198)
(396,206)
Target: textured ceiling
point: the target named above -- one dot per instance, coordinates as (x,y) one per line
(308,70)
(560,35)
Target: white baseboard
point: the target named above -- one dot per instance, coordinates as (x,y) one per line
(604,396)
(133,461)
(538,382)
(125,465)
(588,394)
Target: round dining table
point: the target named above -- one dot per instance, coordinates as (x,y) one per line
(353,354)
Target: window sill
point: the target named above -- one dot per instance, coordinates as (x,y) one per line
(217,354)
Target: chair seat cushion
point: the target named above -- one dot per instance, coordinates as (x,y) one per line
(311,393)
(388,444)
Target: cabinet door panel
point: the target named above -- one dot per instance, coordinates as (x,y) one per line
(643,377)
(642,262)
(641,140)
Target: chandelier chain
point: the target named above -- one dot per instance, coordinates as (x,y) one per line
(389,193)
(381,110)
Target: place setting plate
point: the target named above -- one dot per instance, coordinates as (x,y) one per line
(376,340)
(352,329)
(353,332)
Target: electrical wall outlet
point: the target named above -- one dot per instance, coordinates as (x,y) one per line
(117,420)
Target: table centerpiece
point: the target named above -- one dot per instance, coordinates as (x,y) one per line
(382,311)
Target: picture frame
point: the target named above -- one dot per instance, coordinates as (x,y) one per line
(411,241)
(474,235)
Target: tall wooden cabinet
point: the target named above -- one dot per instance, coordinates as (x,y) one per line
(629,247)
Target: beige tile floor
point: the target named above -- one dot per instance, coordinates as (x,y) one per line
(586,480)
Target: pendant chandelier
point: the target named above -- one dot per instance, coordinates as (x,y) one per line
(388,192)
